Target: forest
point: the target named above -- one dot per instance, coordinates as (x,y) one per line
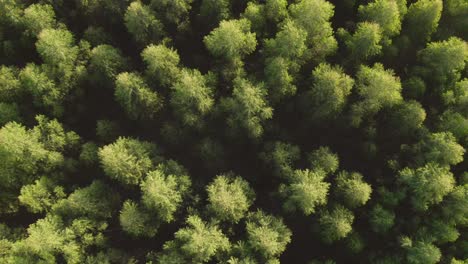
(233,131)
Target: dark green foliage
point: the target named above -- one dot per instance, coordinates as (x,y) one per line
(233,131)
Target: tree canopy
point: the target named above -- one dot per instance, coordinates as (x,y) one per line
(233,131)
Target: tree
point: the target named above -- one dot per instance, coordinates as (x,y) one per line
(38,17)
(192,97)
(174,12)
(422,19)
(247,108)
(97,201)
(44,90)
(323,159)
(305,191)
(231,40)
(276,10)
(142,23)
(127,160)
(255,13)
(441,148)
(285,55)
(54,137)
(44,242)
(41,196)
(162,64)
(163,193)
(454,207)
(198,242)
(328,94)
(289,42)
(106,62)
(281,158)
(136,221)
(267,235)
(353,191)
(378,88)
(444,60)
(365,42)
(136,98)
(381,219)
(23,156)
(457,96)
(229,197)
(313,16)
(9,112)
(214,11)
(454,123)
(279,79)
(385,13)
(428,185)
(10,87)
(418,252)
(335,223)
(406,118)
(56,48)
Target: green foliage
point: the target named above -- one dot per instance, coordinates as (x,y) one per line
(247,109)
(161,64)
(385,13)
(192,97)
(96,201)
(335,223)
(306,191)
(353,191)
(38,17)
(365,42)
(422,19)
(41,196)
(279,79)
(198,242)
(23,156)
(329,91)
(142,23)
(162,193)
(175,12)
(9,113)
(267,234)
(407,117)
(377,88)
(231,40)
(229,197)
(381,219)
(10,87)
(136,98)
(419,252)
(323,159)
(428,184)
(127,160)
(289,42)
(444,60)
(56,47)
(106,62)
(441,148)
(313,16)
(454,207)
(213,11)
(136,221)
(125,127)
(281,158)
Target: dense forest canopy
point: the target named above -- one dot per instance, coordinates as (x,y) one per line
(233,131)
